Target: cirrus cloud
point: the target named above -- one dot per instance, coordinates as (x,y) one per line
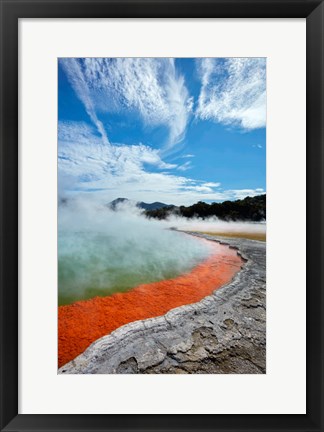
(150,87)
(233,91)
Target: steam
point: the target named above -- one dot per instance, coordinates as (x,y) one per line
(214,225)
(102,251)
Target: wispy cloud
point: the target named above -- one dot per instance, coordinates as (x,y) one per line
(80,85)
(109,171)
(81,153)
(233,91)
(150,87)
(212,184)
(184,167)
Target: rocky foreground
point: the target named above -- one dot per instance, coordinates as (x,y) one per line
(223,333)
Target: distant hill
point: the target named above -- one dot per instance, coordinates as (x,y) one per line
(153,206)
(113,204)
(143,205)
(247,209)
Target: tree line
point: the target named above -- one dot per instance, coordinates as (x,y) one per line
(247,209)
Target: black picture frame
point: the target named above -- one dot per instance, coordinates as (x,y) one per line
(11,11)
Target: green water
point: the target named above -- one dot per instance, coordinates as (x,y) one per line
(93,264)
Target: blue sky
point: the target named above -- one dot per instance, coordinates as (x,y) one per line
(161,129)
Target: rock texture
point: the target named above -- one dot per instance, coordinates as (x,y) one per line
(223,333)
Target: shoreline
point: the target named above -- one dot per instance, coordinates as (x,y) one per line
(261,236)
(223,333)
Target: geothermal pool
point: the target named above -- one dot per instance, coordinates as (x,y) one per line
(208,266)
(102,263)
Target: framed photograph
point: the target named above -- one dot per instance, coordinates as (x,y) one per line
(161,215)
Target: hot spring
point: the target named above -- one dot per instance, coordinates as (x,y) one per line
(103,252)
(152,268)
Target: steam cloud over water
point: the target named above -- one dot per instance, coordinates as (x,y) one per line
(102,251)
(214,225)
